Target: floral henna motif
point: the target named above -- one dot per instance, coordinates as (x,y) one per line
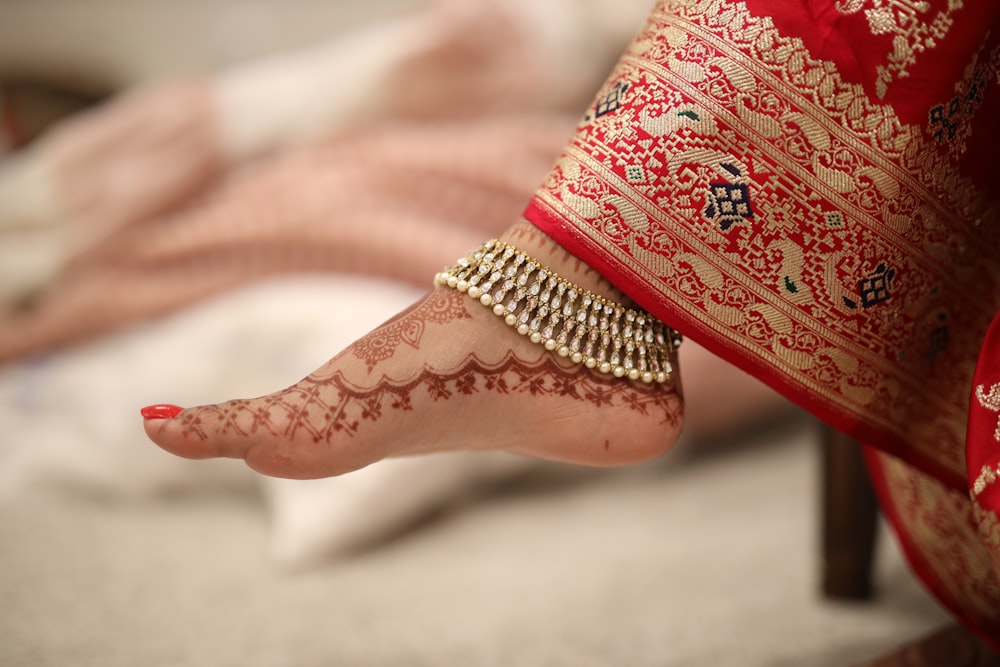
(440,307)
(307,407)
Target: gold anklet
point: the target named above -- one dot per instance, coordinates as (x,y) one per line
(564,317)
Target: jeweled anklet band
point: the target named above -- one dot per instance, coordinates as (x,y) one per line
(564,317)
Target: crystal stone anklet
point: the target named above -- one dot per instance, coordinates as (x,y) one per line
(564,317)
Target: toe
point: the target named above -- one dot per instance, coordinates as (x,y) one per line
(202,432)
(272,436)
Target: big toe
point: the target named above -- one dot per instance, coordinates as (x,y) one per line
(190,432)
(272,437)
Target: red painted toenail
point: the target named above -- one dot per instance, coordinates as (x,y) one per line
(161,411)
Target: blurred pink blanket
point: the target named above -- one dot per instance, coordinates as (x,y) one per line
(176,192)
(399,202)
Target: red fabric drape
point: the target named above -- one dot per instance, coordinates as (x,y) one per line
(803,187)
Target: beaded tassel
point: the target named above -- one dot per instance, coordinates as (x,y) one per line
(563,317)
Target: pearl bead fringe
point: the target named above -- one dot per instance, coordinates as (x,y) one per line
(565,318)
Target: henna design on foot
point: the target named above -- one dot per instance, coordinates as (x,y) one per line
(440,307)
(442,375)
(325,406)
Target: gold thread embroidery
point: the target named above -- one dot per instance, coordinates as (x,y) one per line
(989,529)
(913,34)
(987,476)
(950,123)
(955,537)
(990,400)
(725,99)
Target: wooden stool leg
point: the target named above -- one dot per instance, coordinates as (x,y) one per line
(850,519)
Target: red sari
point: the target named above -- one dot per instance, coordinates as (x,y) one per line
(805,188)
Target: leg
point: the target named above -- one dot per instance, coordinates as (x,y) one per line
(444,375)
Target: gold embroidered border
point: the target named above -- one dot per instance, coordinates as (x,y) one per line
(955,538)
(989,530)
(718,88)
(758,47)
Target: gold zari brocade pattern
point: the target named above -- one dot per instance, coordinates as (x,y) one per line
(948,536)
(777,210)
(912,33)
(988,398)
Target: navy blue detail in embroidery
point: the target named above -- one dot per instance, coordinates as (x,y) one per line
(873,289)
(729,203)
(943,128)
(944,119)
(612,100)
(731,169)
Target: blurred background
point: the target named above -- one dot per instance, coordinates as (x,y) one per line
(190,193)
(57,53)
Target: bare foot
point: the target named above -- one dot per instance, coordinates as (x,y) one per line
(446,374)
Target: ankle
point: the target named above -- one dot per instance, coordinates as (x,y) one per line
(543,248)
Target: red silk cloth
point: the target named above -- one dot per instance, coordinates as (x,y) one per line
(805,188)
